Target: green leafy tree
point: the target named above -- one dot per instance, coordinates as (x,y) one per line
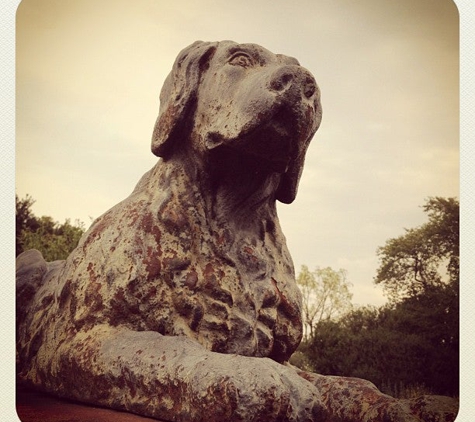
(24,220)
(403,349)
(326,295)
(411,345)
(414,262)
(54,240)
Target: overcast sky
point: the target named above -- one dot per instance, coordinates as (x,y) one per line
(89,74)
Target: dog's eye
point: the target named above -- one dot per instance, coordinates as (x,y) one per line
(241,59)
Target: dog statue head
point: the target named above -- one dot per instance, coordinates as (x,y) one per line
(243,97)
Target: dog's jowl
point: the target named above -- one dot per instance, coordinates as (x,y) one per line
(180,302)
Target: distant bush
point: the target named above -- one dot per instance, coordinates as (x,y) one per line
(410,346)
(54,240)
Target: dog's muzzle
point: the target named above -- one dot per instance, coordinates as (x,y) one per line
(292,115)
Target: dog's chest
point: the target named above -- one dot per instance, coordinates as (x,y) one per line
(161,262)
(236,295)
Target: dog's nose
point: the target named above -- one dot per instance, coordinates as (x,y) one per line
(293,77)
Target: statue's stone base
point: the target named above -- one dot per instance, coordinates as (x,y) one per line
(33,406)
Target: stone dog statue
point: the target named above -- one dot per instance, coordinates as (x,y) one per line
(180,303)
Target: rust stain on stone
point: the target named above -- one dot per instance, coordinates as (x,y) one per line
(152,262)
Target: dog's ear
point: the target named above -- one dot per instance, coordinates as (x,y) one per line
(179,93)
(289,182)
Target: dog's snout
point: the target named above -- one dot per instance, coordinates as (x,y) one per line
(293,77)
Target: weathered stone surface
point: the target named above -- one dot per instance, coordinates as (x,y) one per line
(354,399)
(180,302)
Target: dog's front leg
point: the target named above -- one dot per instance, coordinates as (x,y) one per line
(176,379)
(355,399)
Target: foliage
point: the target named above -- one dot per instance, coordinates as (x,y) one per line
(411,345)
(54,240)
(301,360)
(325,293)
(24,220)
(412,263)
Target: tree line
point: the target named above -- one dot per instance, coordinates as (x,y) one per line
(410,345)
(406,347)
(54,240)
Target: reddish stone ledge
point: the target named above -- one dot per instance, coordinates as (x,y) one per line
(33,406)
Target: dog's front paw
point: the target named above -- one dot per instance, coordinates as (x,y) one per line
(358,400)
(237,388)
